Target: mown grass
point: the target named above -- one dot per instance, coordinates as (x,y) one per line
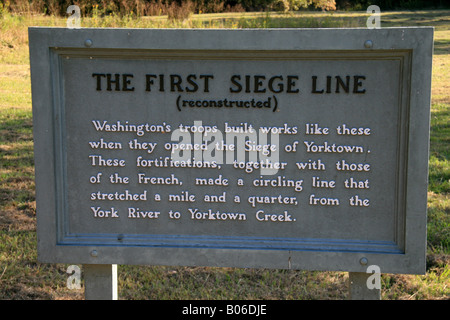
(22,277)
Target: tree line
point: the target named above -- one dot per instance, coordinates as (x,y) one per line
(163,7)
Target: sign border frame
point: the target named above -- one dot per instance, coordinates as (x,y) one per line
(48,159)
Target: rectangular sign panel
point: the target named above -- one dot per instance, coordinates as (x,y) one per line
(303,149)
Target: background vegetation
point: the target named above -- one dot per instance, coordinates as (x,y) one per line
(164,7)
(23,277)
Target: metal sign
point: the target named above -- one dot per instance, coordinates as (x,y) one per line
(303,149)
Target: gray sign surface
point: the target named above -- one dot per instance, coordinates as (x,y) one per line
(304,149)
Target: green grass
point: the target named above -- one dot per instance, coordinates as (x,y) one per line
(229,283)
(22,277)
(439,166)
(438,225)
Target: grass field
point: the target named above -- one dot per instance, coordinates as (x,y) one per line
(22,277)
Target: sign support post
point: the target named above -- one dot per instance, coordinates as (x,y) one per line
(100,281)
(358,288)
